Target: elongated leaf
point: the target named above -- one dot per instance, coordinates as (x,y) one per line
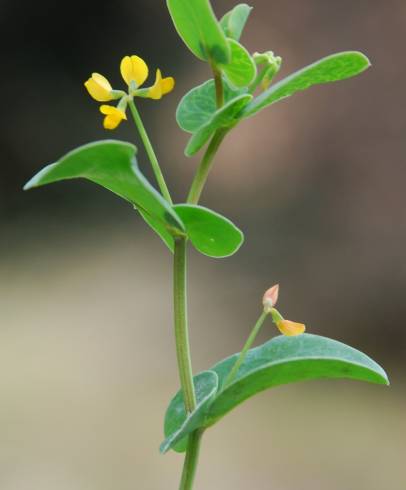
(233,22)
(210,233)
(197,25)
(285,360)
(225,117)
(279,361)
(241,70)
(111,164)
(330,69)
(197,107)
(177,425)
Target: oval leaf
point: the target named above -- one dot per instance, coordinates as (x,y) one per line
(285,360)
(210,233)
(225,117)
(111,164)
(197,107)
(197,25)
(241,70)
(233,22)
(177,424)
(330,69)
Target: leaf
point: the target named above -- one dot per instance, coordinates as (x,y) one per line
(177,425)
(284,360)
(279,361)
(225,117)
(198,106)
(210,233)
(160,229)
(336,67)
(233,22)
(197,25)
(111,164)
(241,70)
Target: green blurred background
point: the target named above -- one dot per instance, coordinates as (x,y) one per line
(87,361)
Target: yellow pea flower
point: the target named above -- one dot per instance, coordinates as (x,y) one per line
(289,328)
(134,71)
(99,88)
(113,116)
(161,86)
(286,327)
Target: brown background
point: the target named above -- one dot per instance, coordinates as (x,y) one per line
(317,184)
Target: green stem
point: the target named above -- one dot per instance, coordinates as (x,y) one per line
(218,83)
(234,371)
(150,151)
(181,325)
(181,330)
(204,168)
(191,459)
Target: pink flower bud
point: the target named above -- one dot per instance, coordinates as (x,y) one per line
(270,298)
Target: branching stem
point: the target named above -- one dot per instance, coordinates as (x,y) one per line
(204,168)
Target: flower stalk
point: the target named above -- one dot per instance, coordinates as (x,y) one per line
(150,151)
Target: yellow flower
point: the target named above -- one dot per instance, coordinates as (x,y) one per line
(161,86)
(114,116)
(134,71)
(99,88)
(289,328)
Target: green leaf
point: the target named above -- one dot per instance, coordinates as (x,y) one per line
(233,22)
(279,361)
(225,117)
(285,360)
(210,233)
(198,106)
(160,229)
(330,69)
(112,164)
(241,70)
(177,424)
(197,25)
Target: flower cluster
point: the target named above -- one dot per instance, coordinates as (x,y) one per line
(134,71)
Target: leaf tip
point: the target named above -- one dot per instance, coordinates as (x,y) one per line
(164,447)
(34,181)
(29,185)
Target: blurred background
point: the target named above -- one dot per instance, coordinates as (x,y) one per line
(87,362)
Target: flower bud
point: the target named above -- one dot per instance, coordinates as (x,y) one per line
(270,298)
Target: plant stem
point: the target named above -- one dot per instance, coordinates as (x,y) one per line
(234,371)
(218,82)
(181,325)
(191,459)
(181,328)
(150,151)
(204,168)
